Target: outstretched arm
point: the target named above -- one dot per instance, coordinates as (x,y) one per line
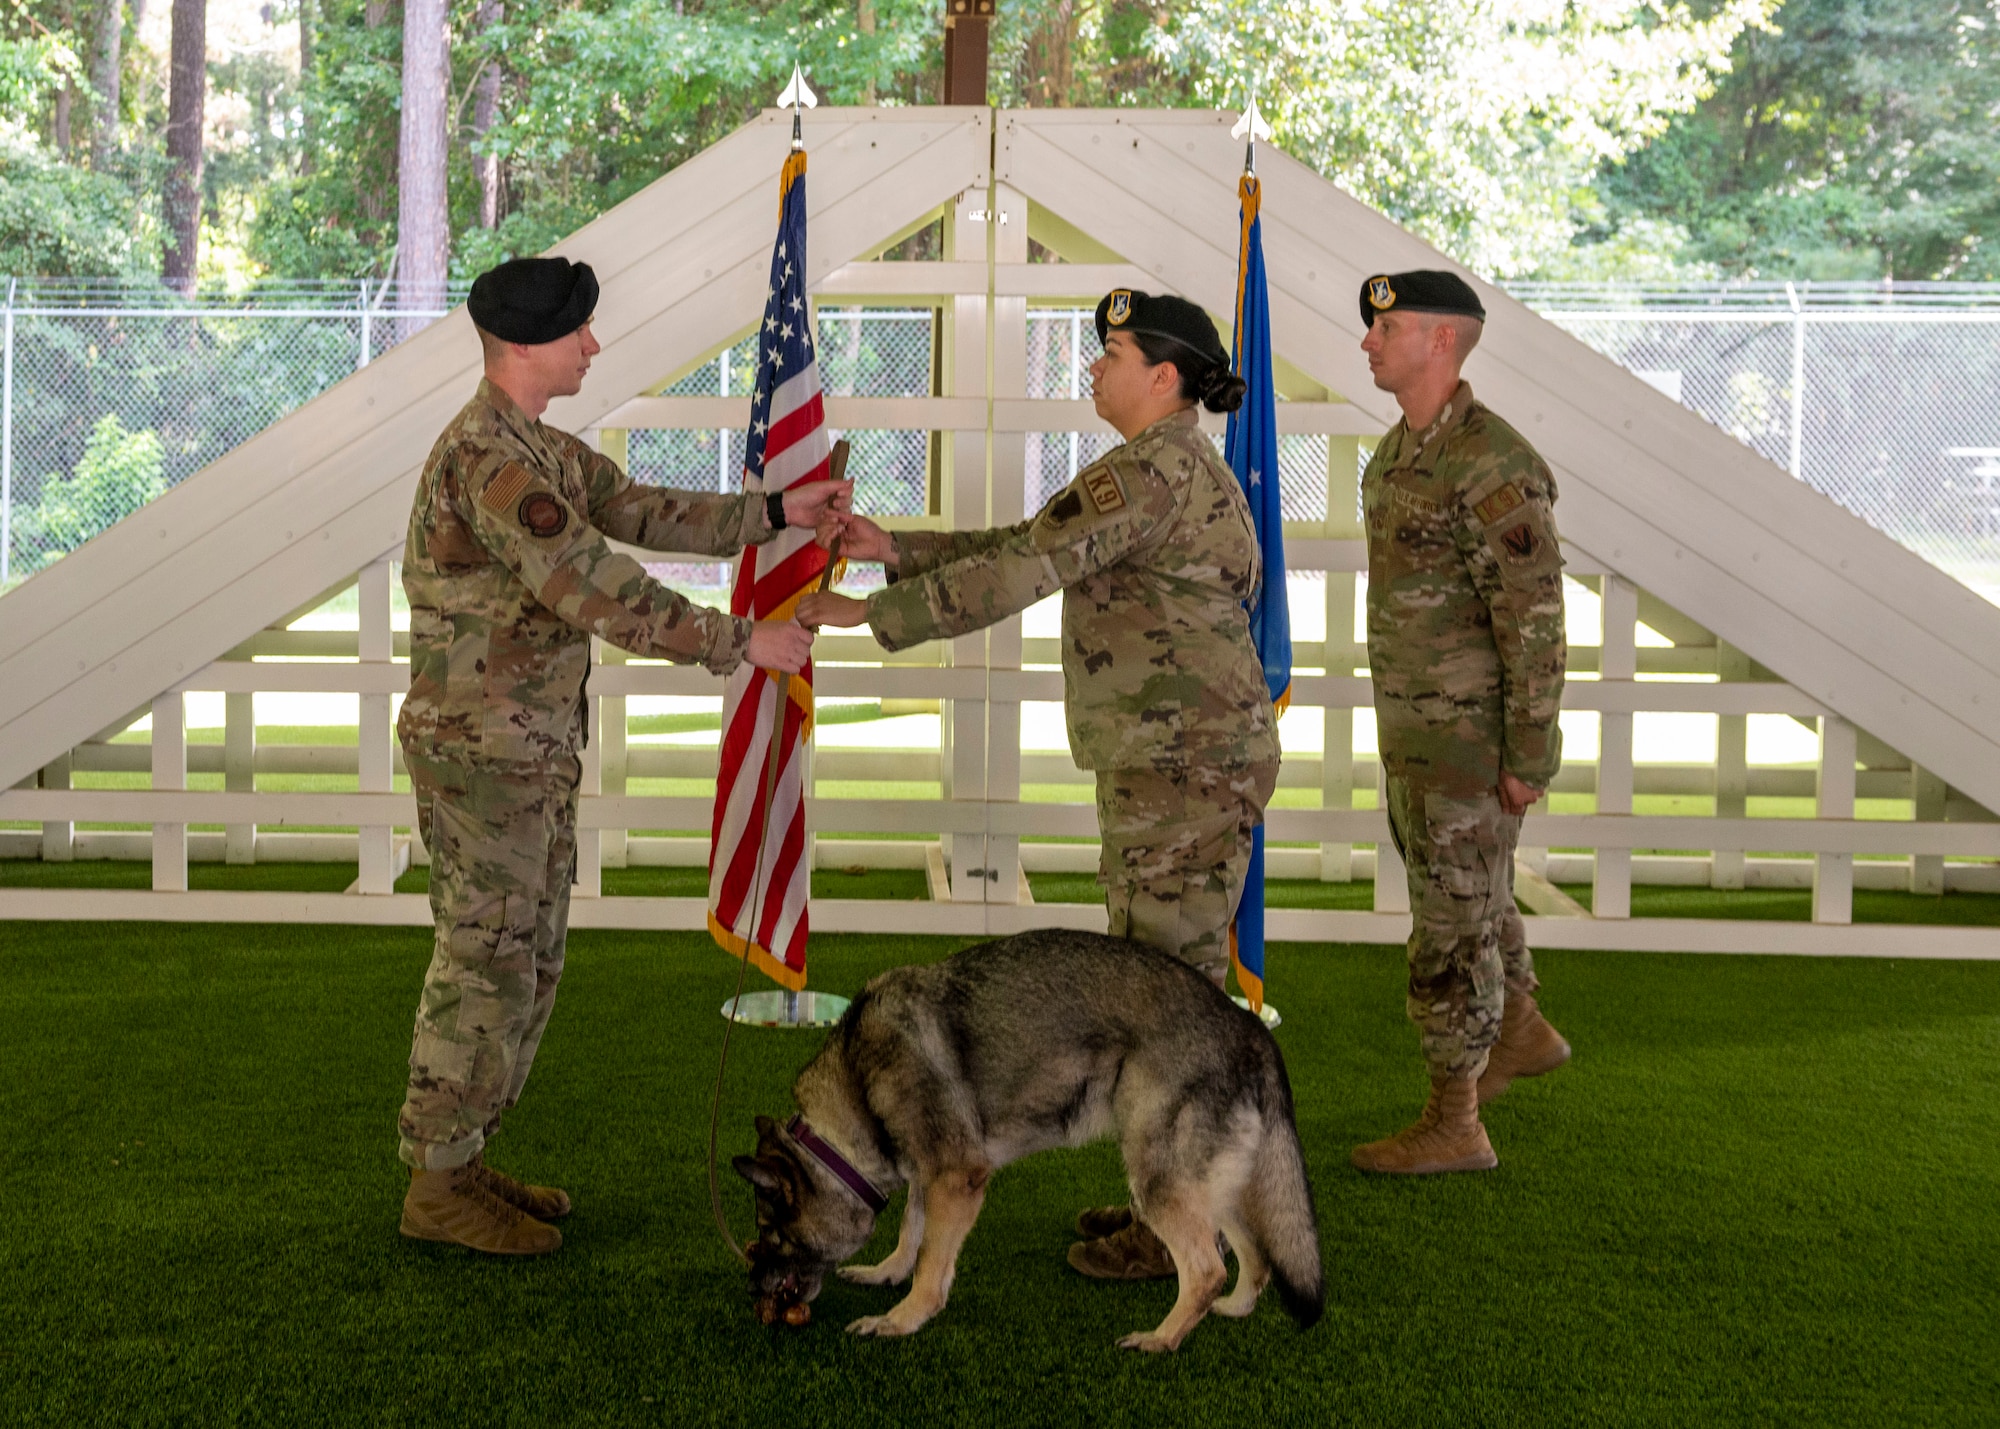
(1076,535)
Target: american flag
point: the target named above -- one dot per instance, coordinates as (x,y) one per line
(758,874)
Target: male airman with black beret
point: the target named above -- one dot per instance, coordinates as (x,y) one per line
(1467,651)
(509,573)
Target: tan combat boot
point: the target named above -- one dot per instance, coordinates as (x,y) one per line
(1134,1253)
(453,1206)
(1447,1137)
(544,1203)
(1101,1221)
(1528,1046)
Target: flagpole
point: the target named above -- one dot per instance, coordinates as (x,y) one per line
(787,1006)
(1251,451)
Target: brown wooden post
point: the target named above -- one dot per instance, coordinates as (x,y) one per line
(965,26)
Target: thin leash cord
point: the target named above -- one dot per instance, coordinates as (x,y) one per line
(756,901)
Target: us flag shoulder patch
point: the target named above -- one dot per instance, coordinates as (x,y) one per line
(1105,492)
(1499,503)
(502,490)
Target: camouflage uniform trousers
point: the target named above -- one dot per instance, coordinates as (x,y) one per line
(502,843)
(1176,846)
(1467,941)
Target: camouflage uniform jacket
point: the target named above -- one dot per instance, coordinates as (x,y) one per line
(1465,603)
(509,574)
(1154,552)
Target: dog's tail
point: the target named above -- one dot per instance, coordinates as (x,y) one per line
(1278,1211)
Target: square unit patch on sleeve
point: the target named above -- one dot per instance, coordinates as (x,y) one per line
(1105,492)
(1522,544)
(1498,503)
(501,491)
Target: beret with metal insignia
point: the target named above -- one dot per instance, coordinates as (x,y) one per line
(533,300)
(1424,290)
(1161,315)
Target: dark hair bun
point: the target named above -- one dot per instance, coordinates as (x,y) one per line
(1221,390)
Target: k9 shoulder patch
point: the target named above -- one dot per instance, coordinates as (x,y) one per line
(1105,492)
(1498,503)
(541,515)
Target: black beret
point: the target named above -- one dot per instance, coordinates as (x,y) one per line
(1426,290)
(1164,315)
(533,300)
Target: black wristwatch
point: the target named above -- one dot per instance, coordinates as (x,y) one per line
(774,507)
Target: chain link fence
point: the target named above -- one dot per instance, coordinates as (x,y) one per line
(111,393)
(1879,396)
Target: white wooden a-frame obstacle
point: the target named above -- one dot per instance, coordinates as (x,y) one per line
(1802,609)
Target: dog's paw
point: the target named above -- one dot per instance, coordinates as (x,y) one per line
(880,1327)
(1149,1342)
(884,1274)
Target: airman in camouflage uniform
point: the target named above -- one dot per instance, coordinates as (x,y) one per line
(1466,649)
(509,573)
(1153,549)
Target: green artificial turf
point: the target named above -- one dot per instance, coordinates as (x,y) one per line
(1766,1191)
(1871,905)
(205,877)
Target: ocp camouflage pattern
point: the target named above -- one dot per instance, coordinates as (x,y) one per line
(1153,549)
(1467,940)
(1175,850)
(509,573)
(503,852)
(1465,603)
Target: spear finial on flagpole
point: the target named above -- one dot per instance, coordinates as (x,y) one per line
(1256,127)
(799,95)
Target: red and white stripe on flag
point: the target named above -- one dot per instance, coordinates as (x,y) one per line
(758,873)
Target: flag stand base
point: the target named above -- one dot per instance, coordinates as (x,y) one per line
(786,1009)
(1269,1016)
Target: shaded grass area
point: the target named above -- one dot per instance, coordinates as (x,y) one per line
(909,884)
(205,877)
(1871,905)
(1278,892)
(1766,1191)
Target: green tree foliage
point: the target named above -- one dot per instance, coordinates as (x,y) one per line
(119,472)
(597,101)
(56,218)
(1478,123)
(1853,139)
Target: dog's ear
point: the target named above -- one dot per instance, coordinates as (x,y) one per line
(767,1174)
(758,1174)
(767,1130)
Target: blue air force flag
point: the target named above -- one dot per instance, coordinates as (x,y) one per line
(1251,447)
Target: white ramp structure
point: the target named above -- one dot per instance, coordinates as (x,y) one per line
(1776,600)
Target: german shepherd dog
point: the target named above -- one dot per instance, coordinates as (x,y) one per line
(937,1076)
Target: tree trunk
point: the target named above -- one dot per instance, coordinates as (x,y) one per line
(65,103)
(105,61)
(866,17)
(423,237)
(307,18)
(485,113)
(187,91)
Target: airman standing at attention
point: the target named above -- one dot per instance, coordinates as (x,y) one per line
(1153,549)
(1466,647)
(509,574)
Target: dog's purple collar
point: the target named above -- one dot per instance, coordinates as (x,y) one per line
(839,1165)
